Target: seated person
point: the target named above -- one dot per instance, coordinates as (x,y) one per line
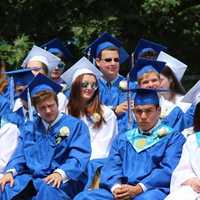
(52,153)
(57,48)
(185,182)
(9,134)
(109,54)
(42,61)
(84,103)
(146,72)
(141,160)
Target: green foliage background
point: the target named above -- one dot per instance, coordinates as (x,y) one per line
(174,23)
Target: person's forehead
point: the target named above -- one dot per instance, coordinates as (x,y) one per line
(148,106)
(149,76)
(34,64)
(88,76)
(108,52)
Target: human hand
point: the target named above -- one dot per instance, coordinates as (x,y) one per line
(127,191)
(7,178)
(55,179)
(194,183)
(123,107)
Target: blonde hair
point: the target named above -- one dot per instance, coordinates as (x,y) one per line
(146,75)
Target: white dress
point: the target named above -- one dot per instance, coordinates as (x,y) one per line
(101,138)
(8,139)
(188,167)
(183,105)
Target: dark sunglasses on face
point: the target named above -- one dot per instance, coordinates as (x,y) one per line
(110,59)
(85,85)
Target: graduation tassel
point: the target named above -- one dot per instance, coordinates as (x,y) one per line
(130,116)
(11,93)
(30,109)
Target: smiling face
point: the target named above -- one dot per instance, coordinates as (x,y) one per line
(164,82)
(88,87)
(109,64)
(150,80)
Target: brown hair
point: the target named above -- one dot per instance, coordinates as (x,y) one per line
(42,96)
(150,54)
(76,107)
(175,85)
(196,119)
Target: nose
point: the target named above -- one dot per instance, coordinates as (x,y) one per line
(48,110)
(143,115)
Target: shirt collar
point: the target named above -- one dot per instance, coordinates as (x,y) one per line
(151,130)
(47,125)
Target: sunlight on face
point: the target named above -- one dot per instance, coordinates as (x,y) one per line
(88,87)
(109,64)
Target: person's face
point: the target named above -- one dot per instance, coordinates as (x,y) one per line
(164,82)
(48,110)
(152,81)
(20,88)
(88,87)
(146,116)
(56,73)
(38,67)
(109,64)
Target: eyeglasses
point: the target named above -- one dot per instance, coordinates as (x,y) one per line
(85,85)
(110,59)
(140,111)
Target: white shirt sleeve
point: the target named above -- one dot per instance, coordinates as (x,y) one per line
(63,174)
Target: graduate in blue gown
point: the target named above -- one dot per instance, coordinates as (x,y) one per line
(21,77)
(141,160)
(53,150)
(109,54)
(146,72)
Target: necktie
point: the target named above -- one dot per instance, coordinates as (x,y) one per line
(109,84)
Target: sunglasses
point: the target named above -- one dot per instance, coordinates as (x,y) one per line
(110,59)
(85,85)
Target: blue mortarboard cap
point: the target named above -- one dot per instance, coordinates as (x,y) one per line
(38,84)
(143,66)
(82,66)
(144,46)
(145,97)
(106,41)
(21,76)
(56,47)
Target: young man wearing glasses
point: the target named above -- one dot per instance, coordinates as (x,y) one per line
(141,161)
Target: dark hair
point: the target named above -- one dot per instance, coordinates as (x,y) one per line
(150,54)
(42,96)
(175,85)
(196,119)
(75,105)
(109,49)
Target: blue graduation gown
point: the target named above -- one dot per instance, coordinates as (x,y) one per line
(110,95)
(174,119)
(38,155)
(152,167)
(4,105)
(188,116)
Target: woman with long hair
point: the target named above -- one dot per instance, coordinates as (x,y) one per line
(84,103)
